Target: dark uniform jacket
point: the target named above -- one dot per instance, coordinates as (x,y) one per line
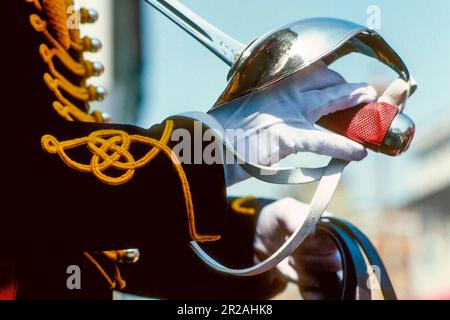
(76,190)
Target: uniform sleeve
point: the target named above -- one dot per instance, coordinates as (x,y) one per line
(71,185)
(195,280)
(88,186)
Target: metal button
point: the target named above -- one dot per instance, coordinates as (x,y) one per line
(130,256)
(97,93)
(106,117)
(88,15)
(95,69)
(92,44)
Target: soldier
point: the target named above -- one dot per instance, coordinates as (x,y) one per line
(79,192)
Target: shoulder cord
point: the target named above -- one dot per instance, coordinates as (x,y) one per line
(238,205)
(118,280)
(68,39)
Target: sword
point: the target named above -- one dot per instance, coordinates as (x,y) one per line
(231,51)
(272,58)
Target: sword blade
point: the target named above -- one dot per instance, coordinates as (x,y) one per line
(222,45)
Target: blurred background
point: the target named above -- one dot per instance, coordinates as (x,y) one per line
(155,70)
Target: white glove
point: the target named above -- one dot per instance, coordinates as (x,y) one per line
(313,266)
(279,121)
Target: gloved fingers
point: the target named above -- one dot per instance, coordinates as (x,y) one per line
(287,271)
(331,262)
(269,234)
(318,274)
(320,285)
(290,214)
(329,144)
(317,244)
(318,250)
(396,94)
(318,103)
(314,77)
(276,222)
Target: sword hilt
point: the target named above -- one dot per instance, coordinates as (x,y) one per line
(378,126)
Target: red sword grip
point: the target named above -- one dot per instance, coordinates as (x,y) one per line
(367,124)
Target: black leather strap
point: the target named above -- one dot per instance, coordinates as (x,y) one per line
(353,264)
(352,243)
(372,256)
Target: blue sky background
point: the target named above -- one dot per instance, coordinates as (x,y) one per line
(180,75)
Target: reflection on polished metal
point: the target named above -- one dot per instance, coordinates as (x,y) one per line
(95,69)
(97,93)
(88,15)
(130,256)
(106,117)
(288,49)
(399,136)
(92,44)
(98,69)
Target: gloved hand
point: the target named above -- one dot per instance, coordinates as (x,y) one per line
(313,266)
(279,121)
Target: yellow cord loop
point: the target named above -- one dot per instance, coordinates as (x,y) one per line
(36,4)
(80,93)
(115,255)
(40,25)
(57,17)
(113,284)
(110,150)
(238,205)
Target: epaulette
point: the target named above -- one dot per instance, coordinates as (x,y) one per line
(62,52)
